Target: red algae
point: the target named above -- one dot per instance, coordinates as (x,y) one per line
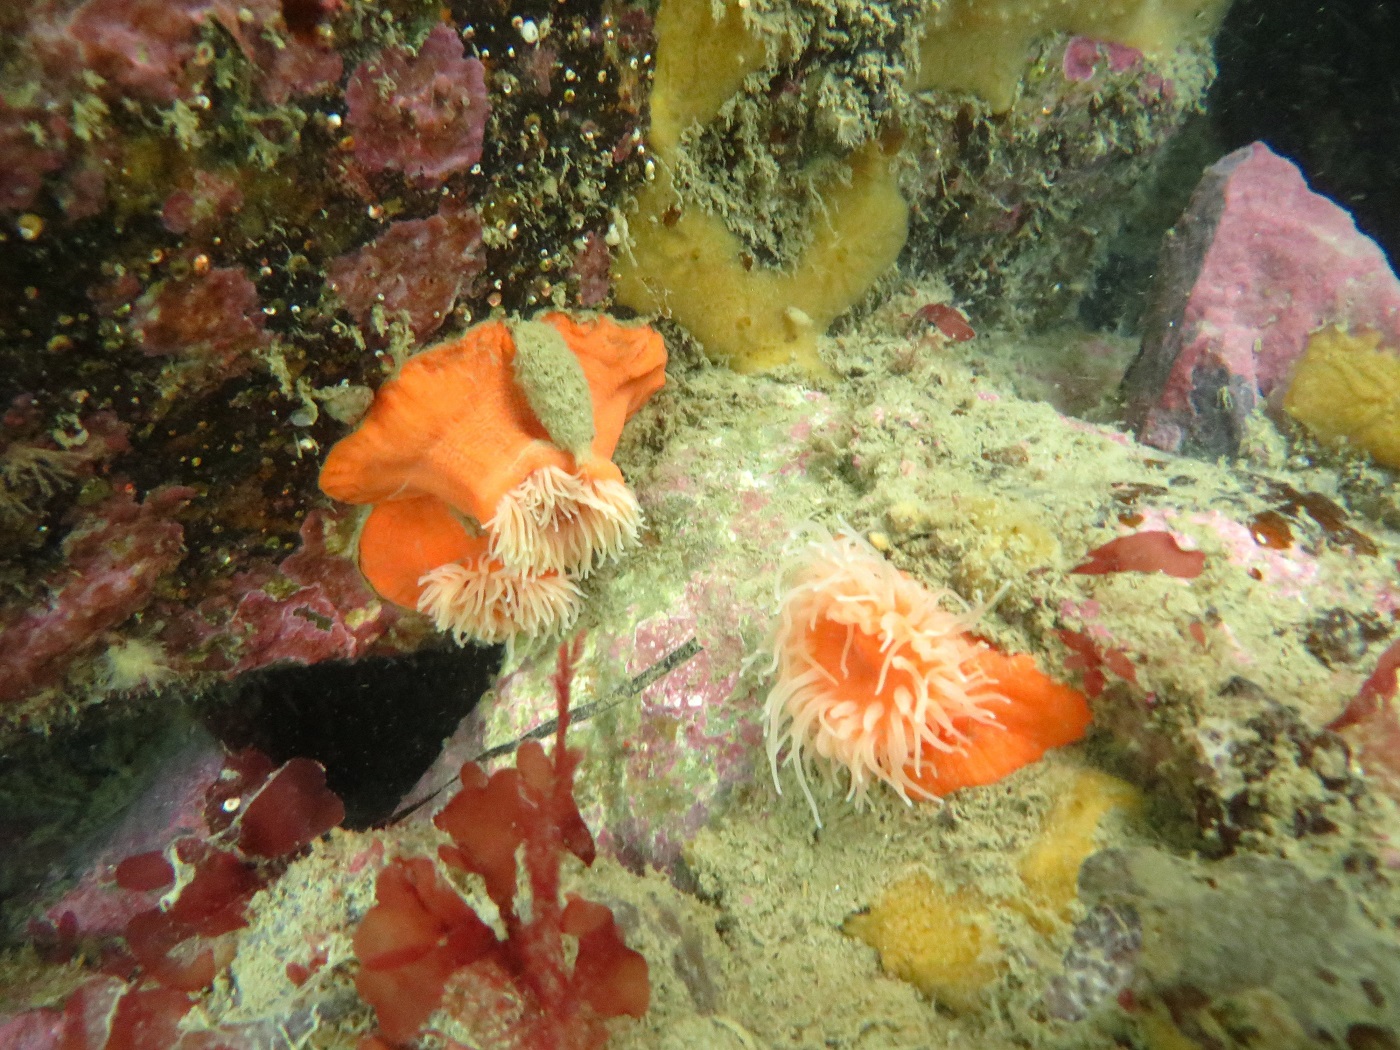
(1151,551)
(422,947)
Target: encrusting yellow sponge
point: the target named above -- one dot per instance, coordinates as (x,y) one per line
(760,317)
(981,46)
(943,940)
(685,263)
(1346,387)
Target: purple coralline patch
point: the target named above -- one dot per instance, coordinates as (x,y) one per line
(423,114)
(415,268)
(209,199)
(213,318)
(111,567)
(297,69)
(329,614)
(592,270)
(1083,54)
(1099,964)
(297,64)
(1257,264)
(667,732)
(32,144)
(141,47)
(145,49)
(303,628)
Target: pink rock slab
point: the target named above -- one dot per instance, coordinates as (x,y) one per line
(1257,263)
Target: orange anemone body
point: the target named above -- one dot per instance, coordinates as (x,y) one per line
(876,677)
(403,540)
(452,423)
(480,520)
(1036,714)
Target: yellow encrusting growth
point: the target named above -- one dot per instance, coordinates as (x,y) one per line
(760,317)
(981,46)
(1346,388)
(701,61)
(930,937)
(942,940)
(684,262)
(1050,865)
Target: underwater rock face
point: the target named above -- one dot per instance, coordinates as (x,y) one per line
(1248,939)
(222,224)
(1257,263)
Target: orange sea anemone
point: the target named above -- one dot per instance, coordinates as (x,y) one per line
(516,451)
(420,554)
(876,676)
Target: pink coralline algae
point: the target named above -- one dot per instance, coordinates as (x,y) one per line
(141,47)
(591,270)
(416,268)
(1082,56)
(331,615)
(31,146)
(111,567)
(423,114)
(296,64)
(146,49)
(212,318)
(210,199)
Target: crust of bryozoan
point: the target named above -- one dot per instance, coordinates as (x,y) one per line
(419,554)
(876,677)
(574,521)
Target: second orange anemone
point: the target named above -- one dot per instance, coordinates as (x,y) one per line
(876,677)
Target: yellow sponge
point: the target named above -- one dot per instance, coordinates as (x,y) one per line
(935,939)
(981,45)
(756,317)
(702,58)
(685,263)
(1346,387)
(942,941)
(1050,865)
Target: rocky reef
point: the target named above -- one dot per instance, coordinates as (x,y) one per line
(890,262)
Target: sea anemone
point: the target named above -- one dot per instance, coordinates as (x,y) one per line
(421,554)
(482,599)
(875,675)
(559,521)
(489,458)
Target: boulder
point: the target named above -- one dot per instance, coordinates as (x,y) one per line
(1257,264)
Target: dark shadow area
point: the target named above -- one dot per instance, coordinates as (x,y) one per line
(63,796)
(1320,83)
(375,724)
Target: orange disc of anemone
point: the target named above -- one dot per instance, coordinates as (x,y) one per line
(876,676)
